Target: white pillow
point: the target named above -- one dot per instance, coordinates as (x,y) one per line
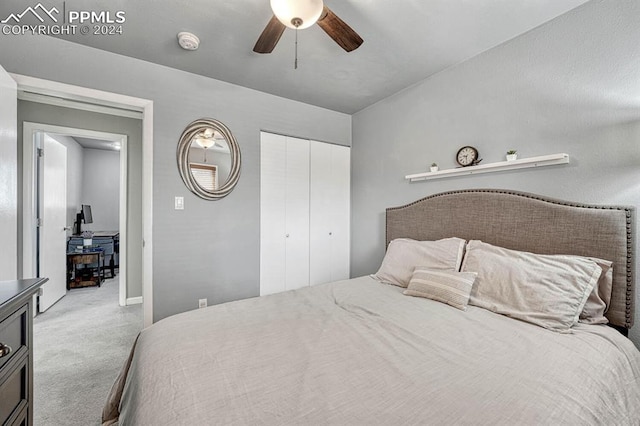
(546,290)
(404,254)
(450,287)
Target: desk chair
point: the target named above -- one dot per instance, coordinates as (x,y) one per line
(107,246)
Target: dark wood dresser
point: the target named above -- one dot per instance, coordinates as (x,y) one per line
(16,350)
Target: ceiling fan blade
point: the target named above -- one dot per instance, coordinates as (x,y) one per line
(270,36)
(339,31)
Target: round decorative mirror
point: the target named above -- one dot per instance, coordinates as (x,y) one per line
(208,159)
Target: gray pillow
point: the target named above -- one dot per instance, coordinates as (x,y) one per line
(600,297)
(546,290)
(404,254)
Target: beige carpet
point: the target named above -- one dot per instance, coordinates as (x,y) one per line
(80,344)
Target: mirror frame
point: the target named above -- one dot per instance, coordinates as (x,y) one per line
(182,155)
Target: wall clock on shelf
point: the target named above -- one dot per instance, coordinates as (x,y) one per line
(468,156)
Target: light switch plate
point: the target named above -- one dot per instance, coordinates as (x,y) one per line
(179,203)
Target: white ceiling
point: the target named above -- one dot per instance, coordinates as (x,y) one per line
(404,41)
(90,143)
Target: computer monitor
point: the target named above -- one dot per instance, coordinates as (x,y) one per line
(84,216)
(87,217)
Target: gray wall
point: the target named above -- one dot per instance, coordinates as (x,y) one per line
(211,248)
(101,188)
(55,115)
(568,86)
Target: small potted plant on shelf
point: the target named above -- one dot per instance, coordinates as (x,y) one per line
(434,167)
(87,238)
(512,154)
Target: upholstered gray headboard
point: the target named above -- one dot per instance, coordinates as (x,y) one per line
(532,223)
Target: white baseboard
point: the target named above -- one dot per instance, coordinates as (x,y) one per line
(134,300)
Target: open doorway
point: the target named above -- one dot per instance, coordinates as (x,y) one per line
(101,101)
(94,164)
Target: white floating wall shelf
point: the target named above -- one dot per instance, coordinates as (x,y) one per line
(524,163)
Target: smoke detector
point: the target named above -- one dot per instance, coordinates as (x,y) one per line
(188,41)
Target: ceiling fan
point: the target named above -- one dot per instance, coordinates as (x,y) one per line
(300,14)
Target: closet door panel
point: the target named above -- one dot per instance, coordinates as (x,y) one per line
(305,213)
(297,213)
(320,187)
(340,212)
(273,149)
(330,212)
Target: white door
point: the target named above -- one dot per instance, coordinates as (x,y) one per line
(320,213)
(8,177)
(341,212)
(297,214)
(330,185)
(284,213)
(273,155)
(52,241)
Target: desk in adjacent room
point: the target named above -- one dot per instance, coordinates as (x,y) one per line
(87,275)
(108,240)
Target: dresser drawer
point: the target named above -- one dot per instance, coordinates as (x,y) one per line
(14,395)
(14,334)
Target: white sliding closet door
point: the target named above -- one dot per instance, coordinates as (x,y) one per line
(341,212)
(330,194)
(273,177)
(320,213)
(297,214)
(284,213)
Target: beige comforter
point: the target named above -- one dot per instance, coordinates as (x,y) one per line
(358,352)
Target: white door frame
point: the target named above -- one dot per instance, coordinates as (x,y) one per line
(8,178)
(145,106)
(29,213)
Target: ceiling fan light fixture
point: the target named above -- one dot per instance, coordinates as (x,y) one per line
(205,142)
(304,13)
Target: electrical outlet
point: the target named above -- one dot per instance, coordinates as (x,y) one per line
(202,303)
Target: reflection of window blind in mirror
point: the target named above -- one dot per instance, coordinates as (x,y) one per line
(206,175)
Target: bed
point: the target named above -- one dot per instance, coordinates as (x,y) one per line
(362,351)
